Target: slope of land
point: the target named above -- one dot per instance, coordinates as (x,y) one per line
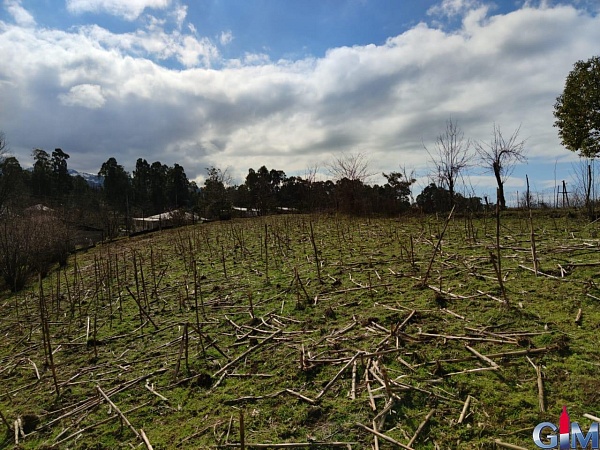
(314,330)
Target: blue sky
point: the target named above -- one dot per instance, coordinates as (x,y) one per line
(288,84)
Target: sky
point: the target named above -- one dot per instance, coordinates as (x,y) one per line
(290,84)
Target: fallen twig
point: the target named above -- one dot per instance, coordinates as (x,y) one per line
(116,408)
(311,444)
(482,357)
(246,353)
(540,384)
(145,439)
(420,427)
(326,388)
(505,445)
(463,413)
(383,436)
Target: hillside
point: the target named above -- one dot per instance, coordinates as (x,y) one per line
(310,330)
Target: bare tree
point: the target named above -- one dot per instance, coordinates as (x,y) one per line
(310,173)
(450,157)
(500,157)
(409,176)
(583,177)
(218,175)
(353,166)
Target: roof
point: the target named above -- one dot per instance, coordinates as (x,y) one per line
(168,216)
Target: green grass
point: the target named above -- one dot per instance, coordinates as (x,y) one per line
(370,284)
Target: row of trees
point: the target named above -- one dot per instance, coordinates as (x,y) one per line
(155,188)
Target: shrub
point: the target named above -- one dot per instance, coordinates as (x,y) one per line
(31,244)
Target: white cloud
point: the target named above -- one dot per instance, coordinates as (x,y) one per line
(226,37)
(155,43)
(179,14)
(127,9)
(387,100)
(20,15)
(85,95)
(452,8)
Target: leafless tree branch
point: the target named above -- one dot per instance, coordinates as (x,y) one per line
(353,166)
(451,156)
(500,157)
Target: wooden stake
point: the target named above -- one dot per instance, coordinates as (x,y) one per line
(578,317)
(532,232)
(266,254)
(353,391)
(46,334)
(314,245)
(142,310)
(436,248)
(497,259)
(223,260)
(251,305)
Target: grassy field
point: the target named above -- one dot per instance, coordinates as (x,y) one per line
(309,329)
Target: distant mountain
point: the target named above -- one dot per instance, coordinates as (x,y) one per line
(94,181)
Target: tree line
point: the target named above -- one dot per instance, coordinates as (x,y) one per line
(153,188)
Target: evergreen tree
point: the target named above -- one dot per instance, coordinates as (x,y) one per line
(116,184)
(178,187)
(158,187)
(62,181)
(141,185)
(12,183)
(41,176)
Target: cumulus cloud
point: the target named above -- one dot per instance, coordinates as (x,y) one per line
(155,43)
(387,100)
(127,9)
(86,95)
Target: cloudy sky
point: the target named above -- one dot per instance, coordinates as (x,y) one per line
(287,84)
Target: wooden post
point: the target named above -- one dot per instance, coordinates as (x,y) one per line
(532,231)
(437,247)
(266,254)
(314,245)
(46,334)
(498,259)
